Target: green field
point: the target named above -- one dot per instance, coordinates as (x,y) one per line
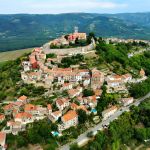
(12,55)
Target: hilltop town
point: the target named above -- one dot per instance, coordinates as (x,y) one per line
(79,88)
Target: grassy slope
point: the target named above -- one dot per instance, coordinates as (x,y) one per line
(12,55)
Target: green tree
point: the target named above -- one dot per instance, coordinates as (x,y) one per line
(88,92)
(74,147)
(82,116)
(116,145)
(95,146)
(140,134)
(51,55)
(21,141)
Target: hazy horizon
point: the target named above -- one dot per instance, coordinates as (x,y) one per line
(72,13)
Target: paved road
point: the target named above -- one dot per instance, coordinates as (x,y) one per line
(83,137)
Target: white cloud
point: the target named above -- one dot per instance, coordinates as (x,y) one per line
(59,6)
(63,6)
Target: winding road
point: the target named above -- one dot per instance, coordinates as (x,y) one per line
(83,137)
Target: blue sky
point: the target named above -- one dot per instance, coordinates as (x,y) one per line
(66,6)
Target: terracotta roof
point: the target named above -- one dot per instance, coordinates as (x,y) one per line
(38,49)
(2,116)
(98,92)
(62,69)
(50,77)
(40,63)
(61,101)
(8,107)
(29,107)
(13,123)
(23,115)
(117,76)
(72,91)
(96,73)
(83,108)
(57,113)
(83,70)
(79,98)
(127,75)
(34,73)
(32,59)
(2,138)
(49,107)
(69,116)
(19,104)
(74,106)
(93,98)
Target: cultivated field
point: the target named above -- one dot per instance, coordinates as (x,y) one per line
(11,55)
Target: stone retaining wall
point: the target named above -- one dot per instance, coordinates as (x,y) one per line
(69,51)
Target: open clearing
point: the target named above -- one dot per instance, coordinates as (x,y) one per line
(12,55)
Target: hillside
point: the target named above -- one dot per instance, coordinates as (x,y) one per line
(23,30)
(135,18)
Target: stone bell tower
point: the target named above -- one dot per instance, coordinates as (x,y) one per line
(76,29)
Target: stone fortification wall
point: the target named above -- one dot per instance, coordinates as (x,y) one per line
(69,51)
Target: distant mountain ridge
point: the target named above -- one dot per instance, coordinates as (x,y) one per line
(135,18)
(27,30)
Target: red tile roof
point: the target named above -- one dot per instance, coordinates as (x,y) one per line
(2,117)
(127,75)
(74,106)
(69,116)
(79,98)
(57,113)
(13,123)
(98,92)
(29,107)
(2,138)
(73,92)
(38,49)
(83,108)
(32,59)
(8,107)
(61,101)
(23,115)
(22,98)
(49,107)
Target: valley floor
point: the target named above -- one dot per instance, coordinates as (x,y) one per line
(12,55)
